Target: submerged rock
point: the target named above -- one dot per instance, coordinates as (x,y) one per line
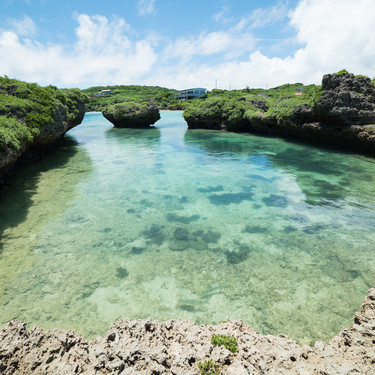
(177,346)
(122,272)
(132,115)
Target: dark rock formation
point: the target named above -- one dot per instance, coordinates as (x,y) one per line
(177,346)
(211,123)
(132,115)
(347,100)
(344,114)
(260,104)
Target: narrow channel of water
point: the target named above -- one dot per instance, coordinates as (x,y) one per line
(200,225)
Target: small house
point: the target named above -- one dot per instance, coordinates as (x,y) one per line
(104,92)
(190,93)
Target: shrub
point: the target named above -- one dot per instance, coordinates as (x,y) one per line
(13,132)
(126,109)
(238,106)
(342,71)
(229,342)
(26,108)
(208,368)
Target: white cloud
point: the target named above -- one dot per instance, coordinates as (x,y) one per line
(24,26)
(102,54)
(262,17)
(146,7)
(334,34)
(96,33)
(331,35)
(226,43)
(222,15)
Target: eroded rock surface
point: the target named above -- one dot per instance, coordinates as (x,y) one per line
(62,122)
(132,115)
(176,347)
(344,115)
(347,100)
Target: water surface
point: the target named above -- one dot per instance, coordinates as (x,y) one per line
(193,224)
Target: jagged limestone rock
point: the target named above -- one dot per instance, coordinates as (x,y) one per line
(176,347)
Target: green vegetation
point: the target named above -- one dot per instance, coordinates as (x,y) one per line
(228,341)
(126,108)
(342,71)
(26,108)
(160,96)
(237,107)
(370,129)
(208,368)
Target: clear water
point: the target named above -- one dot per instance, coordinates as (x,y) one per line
(175,223)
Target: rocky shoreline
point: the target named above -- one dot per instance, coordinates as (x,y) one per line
(177,347)
(49,134)
(56,111)
(343,116)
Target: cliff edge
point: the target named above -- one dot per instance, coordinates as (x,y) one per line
(33,117)
(177,347)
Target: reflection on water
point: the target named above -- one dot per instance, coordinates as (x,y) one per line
(200,225)
(134,137)
(324,176)
(34,195)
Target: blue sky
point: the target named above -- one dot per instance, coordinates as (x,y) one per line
(179,43)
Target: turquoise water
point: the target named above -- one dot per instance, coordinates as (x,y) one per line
(193,224)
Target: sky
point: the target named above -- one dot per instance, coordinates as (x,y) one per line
(228,44)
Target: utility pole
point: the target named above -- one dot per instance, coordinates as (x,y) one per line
(215,83)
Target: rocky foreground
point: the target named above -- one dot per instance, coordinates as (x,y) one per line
(177,346)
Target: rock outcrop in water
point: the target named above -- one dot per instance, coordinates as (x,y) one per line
(33,117)
(132,115)
(341,114)
(177,346)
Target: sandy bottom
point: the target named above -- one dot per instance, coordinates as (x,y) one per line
(205,226)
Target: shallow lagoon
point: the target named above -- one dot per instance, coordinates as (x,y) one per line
(193,224)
